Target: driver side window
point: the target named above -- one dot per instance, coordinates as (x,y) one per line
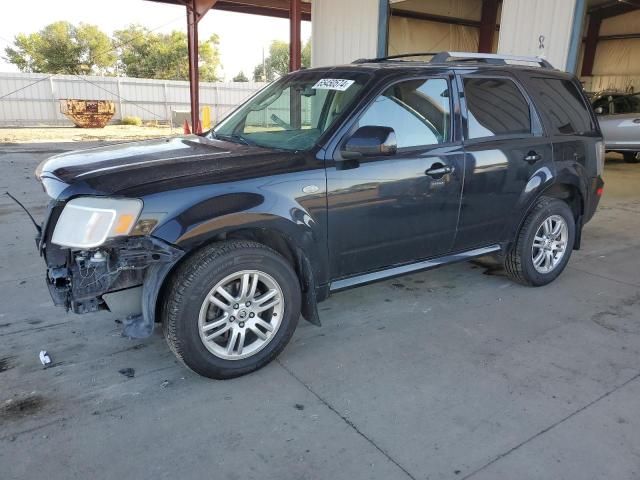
(417,110)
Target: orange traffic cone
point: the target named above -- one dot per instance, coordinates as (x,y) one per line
(186,128)
(198,128)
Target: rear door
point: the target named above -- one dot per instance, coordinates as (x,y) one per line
(504,146)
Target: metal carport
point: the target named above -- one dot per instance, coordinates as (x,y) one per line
(294,10)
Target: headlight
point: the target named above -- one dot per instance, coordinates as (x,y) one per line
(86,222)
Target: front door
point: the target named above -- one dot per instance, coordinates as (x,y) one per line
(390,210)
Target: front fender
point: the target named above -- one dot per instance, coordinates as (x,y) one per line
(293,205)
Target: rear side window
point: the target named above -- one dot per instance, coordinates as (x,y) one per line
(564,106)
(495,106)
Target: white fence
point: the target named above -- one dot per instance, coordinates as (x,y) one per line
(37,103)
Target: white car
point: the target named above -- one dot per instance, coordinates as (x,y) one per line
(619,118)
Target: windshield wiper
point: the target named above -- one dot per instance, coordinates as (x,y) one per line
(232,137)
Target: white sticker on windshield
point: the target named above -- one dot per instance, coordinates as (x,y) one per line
(333,84)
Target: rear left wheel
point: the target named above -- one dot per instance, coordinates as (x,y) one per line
(543,245)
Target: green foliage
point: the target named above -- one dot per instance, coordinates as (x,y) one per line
(131,120)
(240,77)
(135,51)
(277,63)
(146,54)
(63,48)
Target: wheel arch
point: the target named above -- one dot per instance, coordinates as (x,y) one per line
(568,192)
(290,249)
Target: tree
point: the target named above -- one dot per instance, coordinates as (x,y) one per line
(259,74)
(61,47)
(277,62)
(145,54)
(306,55)
(240,77)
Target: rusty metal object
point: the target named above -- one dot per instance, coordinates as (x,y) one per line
(88,113)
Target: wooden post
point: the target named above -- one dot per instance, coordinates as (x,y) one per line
(295,48)
(488,22)
(591,44)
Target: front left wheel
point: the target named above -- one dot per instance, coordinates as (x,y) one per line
(231,308)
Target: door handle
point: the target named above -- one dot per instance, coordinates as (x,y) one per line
(532,157)
(439,170)
(636,120)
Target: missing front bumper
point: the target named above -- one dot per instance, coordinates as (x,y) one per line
(113,277)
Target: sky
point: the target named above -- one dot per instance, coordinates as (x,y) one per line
(242,36)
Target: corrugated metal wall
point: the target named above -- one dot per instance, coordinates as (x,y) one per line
(343,31)
(617,62)
(524,21)
(144,98)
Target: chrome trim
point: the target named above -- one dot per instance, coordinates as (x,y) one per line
(412,267)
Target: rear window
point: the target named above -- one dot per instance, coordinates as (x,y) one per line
(495,107)
(563,106)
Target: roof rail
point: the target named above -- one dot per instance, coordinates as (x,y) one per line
(498,59)
(394,57)
(443,57)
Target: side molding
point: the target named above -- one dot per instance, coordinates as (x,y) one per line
(412,267)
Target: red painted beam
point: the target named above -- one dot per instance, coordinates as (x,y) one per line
(258,10)
(196,9)
(201,7)
(488,22)
(194,74)
(590,44)
(295,46)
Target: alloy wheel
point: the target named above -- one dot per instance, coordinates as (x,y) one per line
(241,314)
(550,244)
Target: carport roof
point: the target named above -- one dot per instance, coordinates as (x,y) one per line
(269,8)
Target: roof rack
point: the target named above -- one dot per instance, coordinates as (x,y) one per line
(494,58)
(395,57)
(444,57)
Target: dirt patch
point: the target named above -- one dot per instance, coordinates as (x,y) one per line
(22,407)
(489,266)
(73,134)
(6,363)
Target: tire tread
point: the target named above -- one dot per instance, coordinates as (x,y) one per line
(513,261)
(182,280)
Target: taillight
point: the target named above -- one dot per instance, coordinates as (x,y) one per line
(599,157)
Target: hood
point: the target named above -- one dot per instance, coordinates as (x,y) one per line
(117,169)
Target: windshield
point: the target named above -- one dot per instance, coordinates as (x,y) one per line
(293,112)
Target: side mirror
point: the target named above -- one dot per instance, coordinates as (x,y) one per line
(370,141)
(599,111)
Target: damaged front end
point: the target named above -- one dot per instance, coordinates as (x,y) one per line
(123,276)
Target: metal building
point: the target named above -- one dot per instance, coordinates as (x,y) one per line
(598,39)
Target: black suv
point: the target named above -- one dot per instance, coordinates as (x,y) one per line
(327,179)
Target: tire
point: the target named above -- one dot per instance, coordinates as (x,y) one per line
(631,157)
(519,262)
(188,310)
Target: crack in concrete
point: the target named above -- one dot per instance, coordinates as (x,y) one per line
(352,425)
(604,277)
(550,427)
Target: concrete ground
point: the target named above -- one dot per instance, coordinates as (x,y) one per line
(450,374)
(70,133)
